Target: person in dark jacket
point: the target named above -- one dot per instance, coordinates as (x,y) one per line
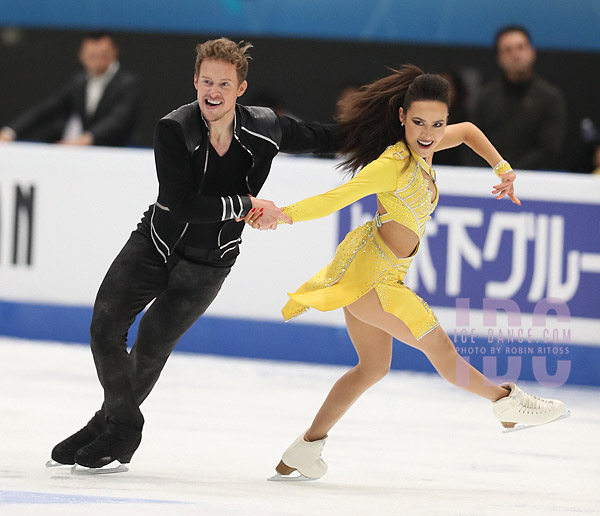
(212,158)
(97,106)
(520,112)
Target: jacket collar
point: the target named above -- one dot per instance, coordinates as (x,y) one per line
(237,125)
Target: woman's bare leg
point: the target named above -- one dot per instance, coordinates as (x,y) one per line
(374,349)
(436,345)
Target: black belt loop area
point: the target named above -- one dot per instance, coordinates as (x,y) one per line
(207,256)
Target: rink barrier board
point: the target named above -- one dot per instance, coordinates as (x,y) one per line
(309,343)
(59,234)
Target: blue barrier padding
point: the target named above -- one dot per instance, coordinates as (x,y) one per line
(546,363)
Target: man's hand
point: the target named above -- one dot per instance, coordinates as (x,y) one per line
(264,214)
(83,139)
(7,135)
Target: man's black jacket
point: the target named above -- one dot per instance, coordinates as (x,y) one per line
(181,145)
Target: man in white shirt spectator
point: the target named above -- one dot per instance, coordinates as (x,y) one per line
(97,106)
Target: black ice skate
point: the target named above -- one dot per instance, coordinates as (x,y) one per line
(63,454)
(104,453)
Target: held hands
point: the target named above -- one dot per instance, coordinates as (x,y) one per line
(505,173)
(264,215)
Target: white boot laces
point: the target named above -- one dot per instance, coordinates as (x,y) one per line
(533,403)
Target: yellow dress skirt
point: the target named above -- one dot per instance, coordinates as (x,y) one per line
(364,262)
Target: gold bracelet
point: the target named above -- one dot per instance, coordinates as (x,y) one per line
(503,168)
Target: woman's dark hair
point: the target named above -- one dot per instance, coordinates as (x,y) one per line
(369,118)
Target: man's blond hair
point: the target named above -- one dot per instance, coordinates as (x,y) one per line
(226,50)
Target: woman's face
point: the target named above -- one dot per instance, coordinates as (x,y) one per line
(424,125)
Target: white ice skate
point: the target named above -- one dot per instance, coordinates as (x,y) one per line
(305,458)
(520,410)
(77,469)
(53,464)
(114,467)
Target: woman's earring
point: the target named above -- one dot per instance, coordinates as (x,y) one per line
(402,124)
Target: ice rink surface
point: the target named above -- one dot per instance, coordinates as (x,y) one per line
(216,427)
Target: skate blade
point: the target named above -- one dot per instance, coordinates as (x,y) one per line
(113,467)
(53,464)
(524,426)
(278,477)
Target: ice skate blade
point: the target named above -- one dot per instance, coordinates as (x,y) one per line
(524,426)
(278,477)
(114,467)
(53,464)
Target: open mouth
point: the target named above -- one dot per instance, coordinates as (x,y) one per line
(212,103)
(425,143)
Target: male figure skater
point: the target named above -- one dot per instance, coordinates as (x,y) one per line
(212,158)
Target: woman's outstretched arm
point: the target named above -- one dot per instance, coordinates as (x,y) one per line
(378,176)
(473,137)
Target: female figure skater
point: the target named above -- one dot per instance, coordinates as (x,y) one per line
(392,128)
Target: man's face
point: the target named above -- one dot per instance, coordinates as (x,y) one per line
(218,89)
(96,55)
(515,55)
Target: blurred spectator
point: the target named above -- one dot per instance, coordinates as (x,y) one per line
(596,159)
(586,157)
(457,113)
(521,113)
(97,106)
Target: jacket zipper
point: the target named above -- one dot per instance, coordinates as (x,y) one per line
(187,224)
(246,149)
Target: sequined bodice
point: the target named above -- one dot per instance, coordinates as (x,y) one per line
(397,179)
(412,203)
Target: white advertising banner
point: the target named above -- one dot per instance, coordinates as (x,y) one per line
(65,212)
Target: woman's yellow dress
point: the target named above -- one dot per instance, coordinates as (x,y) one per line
(363,261)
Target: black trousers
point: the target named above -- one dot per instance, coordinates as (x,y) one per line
(182,290)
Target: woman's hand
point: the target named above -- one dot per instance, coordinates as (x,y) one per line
(506,187)
(264,215)
(285,219)
(251,217)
